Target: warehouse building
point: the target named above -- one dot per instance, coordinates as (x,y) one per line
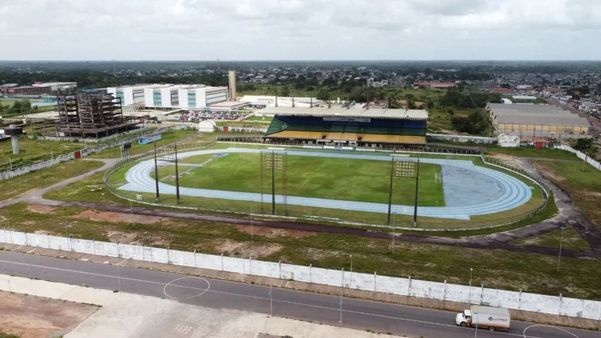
(169,96)
(536,121)
(343,126)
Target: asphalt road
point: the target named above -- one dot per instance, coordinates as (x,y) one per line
(214,293)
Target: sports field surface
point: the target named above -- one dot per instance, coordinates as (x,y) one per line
(322,177)
(468,189)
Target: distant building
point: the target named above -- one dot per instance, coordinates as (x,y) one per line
(169,96)
(264,101)
(434,84)
(339,126)
(536,121)
(40,88)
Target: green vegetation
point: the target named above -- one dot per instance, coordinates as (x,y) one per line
(492,268)
(45,177)
(581,181)
(571,240)
(33,150)
(531,152)
(333,178)
(136,148)
(91,190)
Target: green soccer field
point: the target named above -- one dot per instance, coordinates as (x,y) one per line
(322,177)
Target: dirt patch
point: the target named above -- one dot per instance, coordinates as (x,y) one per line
(122,237)
(33,317)
(120,217)
(274,232)
(248,249)
(40,209)
(508,159)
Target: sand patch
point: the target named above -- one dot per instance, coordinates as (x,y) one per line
(40,209)
(274,232)
(37,317)
(248,249)
(122,237)
(120,217)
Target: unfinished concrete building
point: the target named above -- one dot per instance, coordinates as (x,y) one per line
(91,115)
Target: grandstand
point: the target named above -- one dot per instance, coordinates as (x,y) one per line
(347,126)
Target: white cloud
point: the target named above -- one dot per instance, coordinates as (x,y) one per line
(295,29)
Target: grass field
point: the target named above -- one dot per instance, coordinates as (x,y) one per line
(581,181)
(136,148)
(333,178)
(33,151)
(44,178)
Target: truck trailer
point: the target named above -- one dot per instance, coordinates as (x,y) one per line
(485,317)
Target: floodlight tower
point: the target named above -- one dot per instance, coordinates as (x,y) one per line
(14,131)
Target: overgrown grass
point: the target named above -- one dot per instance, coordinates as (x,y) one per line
(33,150)
(45,177)
(569,239)
(136,148)
(581,181)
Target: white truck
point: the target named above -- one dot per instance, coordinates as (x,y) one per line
(485,317)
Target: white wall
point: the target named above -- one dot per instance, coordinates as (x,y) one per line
(182,95)
(572,307)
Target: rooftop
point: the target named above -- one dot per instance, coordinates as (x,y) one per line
(350,112)
(541,114)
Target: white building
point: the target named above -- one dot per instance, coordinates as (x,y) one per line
(279,101)
(193,96)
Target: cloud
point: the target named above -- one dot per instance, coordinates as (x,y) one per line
(300,29)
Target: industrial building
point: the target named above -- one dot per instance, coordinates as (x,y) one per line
(263,101)
(38,88)
(343,126)
(91,115)
(536,121)
(170,96)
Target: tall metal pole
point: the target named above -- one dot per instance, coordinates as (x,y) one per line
(390,188)
(156,173)
(261,177)
(416,193)
(273,182)
(176,175)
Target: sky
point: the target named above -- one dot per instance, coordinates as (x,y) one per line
(300,30)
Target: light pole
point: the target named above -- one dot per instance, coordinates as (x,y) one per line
(351,272)
(469,297)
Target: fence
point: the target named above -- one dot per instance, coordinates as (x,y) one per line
(87,151)
(563,306)
(580,155)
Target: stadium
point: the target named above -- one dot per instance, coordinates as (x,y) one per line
(347,126)
(343,186)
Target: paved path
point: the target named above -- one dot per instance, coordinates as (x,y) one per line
(216,293)
(470,190)
(35,196)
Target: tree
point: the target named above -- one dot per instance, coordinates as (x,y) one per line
(323,94)
(584,144)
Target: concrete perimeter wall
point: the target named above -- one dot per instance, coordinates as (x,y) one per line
(580,155)
(553,305)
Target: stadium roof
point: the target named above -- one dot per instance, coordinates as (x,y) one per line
(540,114)
(350,112)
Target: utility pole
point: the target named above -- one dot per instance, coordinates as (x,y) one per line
(416,193)
(156,173)
(176,175)
(273,182)
(390,189)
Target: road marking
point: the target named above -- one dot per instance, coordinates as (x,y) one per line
(187,297)
(548,326)
(208,290)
